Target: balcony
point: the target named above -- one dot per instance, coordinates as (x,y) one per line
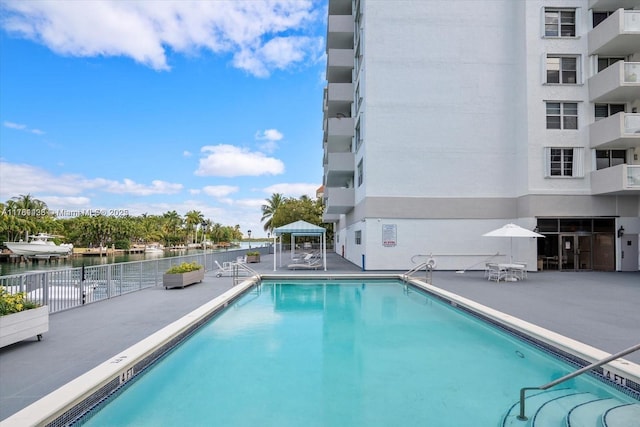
(339,200)
(338,169)
(618,35)
(620,131)
(339,65)
(330,218)
(617,83)
(338,99)
(607,5)
(616,180)
(339,133)
(340,32)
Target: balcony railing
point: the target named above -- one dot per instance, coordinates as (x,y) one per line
(339,200)
(339,168)
(619,34)
(340,63)
(616,180)
(622,130)
(340,29)
(617,83)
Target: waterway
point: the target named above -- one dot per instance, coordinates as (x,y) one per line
(8,268)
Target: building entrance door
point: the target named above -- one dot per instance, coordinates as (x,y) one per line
(629,252)
(575,252)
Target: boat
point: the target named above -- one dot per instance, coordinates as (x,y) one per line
(153,249)
(39,245)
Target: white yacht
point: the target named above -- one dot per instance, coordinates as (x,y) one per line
(39,245)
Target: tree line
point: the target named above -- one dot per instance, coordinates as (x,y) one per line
(26,215)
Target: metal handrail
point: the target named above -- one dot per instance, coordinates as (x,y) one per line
(241,265)
(574,374)
(414,269)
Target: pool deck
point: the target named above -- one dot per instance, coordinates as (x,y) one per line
(598,309)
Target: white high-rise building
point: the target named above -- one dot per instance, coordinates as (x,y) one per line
(446,119)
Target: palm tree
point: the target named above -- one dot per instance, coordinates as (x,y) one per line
(192,219)
(269,209)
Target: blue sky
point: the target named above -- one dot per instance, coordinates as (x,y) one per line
(152,106)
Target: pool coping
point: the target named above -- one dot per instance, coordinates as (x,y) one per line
(63,404)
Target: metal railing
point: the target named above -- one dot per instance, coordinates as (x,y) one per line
(68,288)
(428,266)
(574,374)
(241,266)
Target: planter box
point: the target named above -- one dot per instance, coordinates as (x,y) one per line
(25,324)
(253,258)
(181,280)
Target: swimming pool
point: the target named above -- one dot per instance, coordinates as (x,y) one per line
(328,353)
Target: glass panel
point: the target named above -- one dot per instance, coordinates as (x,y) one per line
(601,111)
(598,17)
(553,122)
(618,157)
(603,225)
(546,225)
(570,123)
(602,159)
(568,24)
(551,23)
(553,70)
(575,225)
(569,70)
(632,72)
(616,108)
(584,253)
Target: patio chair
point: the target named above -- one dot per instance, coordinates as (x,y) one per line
(313,265)
(495,272)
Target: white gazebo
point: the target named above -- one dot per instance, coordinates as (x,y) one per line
(300,228)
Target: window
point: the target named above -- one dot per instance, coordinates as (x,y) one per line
(606,110)
(360,173)
(358,136)
(358,237)
(560,23)
(562,115)
(562,69)
(608,158)
(564,162)
(607,62)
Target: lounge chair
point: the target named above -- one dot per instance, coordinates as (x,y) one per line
(313,265)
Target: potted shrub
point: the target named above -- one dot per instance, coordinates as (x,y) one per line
(253,256)
(182,275)
(21,318)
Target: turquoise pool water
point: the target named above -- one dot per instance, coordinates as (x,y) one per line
(329,354)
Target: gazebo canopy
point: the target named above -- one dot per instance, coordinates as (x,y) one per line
(302,228)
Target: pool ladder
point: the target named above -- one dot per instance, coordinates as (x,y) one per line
(428,266)
(237,267)
(597,364)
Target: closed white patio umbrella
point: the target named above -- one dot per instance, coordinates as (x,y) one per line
(511,231)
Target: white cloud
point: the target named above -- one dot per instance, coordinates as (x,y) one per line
(186,153)
(12,125)
(293,189)
(25,128)
(220,190)
(230,161)
(128,186)
(18,179)
(260,35)
(270,136)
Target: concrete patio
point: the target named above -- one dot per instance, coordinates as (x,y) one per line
(598,309)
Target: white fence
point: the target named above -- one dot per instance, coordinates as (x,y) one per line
(74,287)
